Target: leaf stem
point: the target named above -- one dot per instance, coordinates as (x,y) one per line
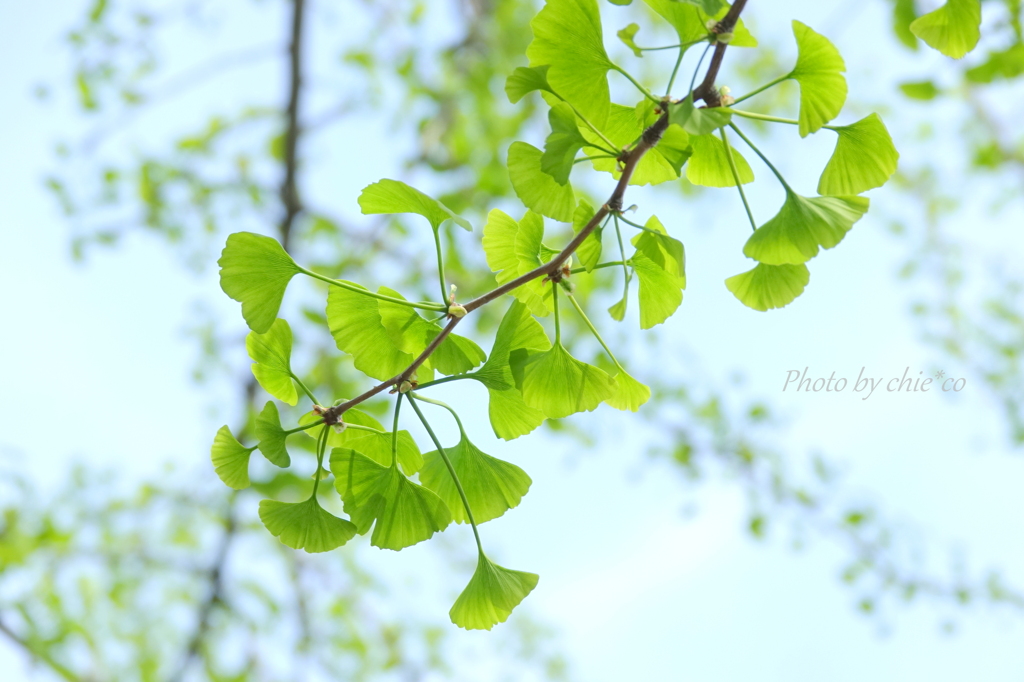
(593,330)
(394,432)
(639,226)
(446,406)
(761,89)
(442,380)
(554,306)
(622,252)
(451,469)
(578,270)
(592,158)
(305,390)
(372,294)
(587,123)
(736,177)
(645,91)
(675,70)
(303,427)
(440,263)
(321,446)
(763,157)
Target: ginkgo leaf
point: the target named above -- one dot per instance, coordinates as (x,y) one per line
(394,196)
(589,252)
(818,70)
(567,37)
(953,29)
(491,595)
(625,125)
(356,325)
(864,158)
(230,459)
(510,416)
(558,384)
(377,446)
(513,249)
(660,265)
(690,20)
(492,486)
(535,188)
(769,286)
(618,310)
(255,271)
(697,121)
(403,513)
(271,354)
(709,165)
(629,394)
(271,436)
(627,34)
(526,79)
(562,144)
(801,226)
(305,525)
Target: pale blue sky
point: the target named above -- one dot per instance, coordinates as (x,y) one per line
(637,588)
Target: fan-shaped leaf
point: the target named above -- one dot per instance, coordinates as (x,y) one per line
(769,286)
(818,70)
(358,329)
(305,525)
(801,226)
(660,265)
(255,271)
(514,249)
(624,126)
(626,35)
(491,595)
(271,352)
(562,144)
(629,394)
(709,165)
(589,252)
(864,158)
(230,459)
(558,384)
(953,29)
(271,436)
(525,80)
(394,196)
(535,188)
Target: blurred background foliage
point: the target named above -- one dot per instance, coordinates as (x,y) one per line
(170,582)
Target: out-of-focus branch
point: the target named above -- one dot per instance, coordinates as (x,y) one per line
(37,653)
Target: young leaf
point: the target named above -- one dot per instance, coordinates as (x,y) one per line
(660,265)
(271,436)
(769,286)
(567,37)
(394,196)
(589,252)
(255,271)
(864,158)
(535,188)
(697,121)
(624,126)
(629,394)
(492,486)
(510,416)
(377,446)
(356,325)
(690,20)
(405,513)
(271,352)
(491,595)
(513,249)
(709,165)
(562,144)
(525,80)
(953,29)
(818,70)
(305,525)
(627,34)
(801,226)
(230,459)
(558,384)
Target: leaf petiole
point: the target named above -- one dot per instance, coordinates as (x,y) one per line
(305,390)
(394,432)
(437,307)
(762,88)
(440,263)
(763,157)
(642,89)
(593,330)
(576,271)
(736,177)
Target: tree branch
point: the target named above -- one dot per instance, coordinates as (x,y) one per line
(289,192)
(37,653)
(650,138)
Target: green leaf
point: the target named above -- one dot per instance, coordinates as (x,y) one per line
(865,158)
(558,384)
(535,188)
(818,70)
(1008,63)
(377,446)
(660,265)
(709,165)
(953,29)
(689,19)
(402,512)
(271,352)
(255,271)
(589,252)
(510,416)
(492,486)
(567,37)
(491,595)
(697,121)
(629,394)
(562,144)
(801,226)
(525,80)
(513,249)
(394,196)
(903,14)
(624,126)
(271,436)
(769,286)
(305,525)
(923,90)
(230,459)
(618,310)
(627,34)
(356,325)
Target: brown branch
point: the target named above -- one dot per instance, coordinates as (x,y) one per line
(289,192)
(650,138)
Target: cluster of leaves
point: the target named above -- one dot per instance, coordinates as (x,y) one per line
(529,376)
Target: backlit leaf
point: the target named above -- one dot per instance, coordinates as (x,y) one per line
(491,595)
(802,225)
(525,80)
(513,249)
(626,35)
(625,125)
(305,525)
(953,29)
(697,121)
(709,165)
(394,196)
(769,286)
(230,459)
(271,436)
(255,271)
(864,158)
(558,384)
(818,70)
(271,354)
(535,188)
(629,394)
(377,446)
(358,329)
(589,252)
(562,144)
